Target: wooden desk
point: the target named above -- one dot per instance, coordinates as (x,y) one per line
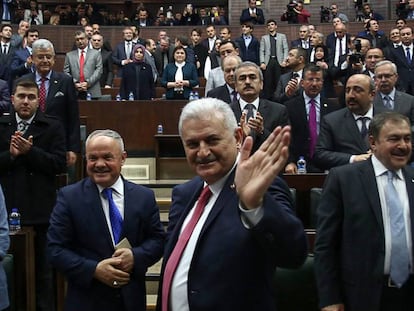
(136,121)
(22,248)
(170,159)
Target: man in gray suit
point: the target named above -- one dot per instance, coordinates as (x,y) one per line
(387,96)
(216,76)
(274,50)
(85,67)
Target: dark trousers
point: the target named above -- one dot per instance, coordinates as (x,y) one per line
(271,78)
(401,299)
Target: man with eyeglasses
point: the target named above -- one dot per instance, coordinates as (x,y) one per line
(386,78)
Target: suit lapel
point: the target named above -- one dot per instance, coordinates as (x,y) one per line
(54,86)
(352,128)
(371,191)
(409,182)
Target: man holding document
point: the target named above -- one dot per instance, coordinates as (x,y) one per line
(105,232)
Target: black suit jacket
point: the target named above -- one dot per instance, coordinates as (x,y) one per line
(250,53)
(107,75)
(339,138)
(221,92)
(274,115)
(62,102)
(349,249)
(299,144)
(405,69)
(28,181)
(245,17)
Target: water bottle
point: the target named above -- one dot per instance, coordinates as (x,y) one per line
(88,96)
(131,96)
(160,129)
(191,97)
(301,164)
(118,97)
(196,96)
(14,220)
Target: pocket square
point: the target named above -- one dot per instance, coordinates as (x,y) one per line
(59,94)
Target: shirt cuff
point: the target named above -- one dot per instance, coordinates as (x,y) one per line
(251,218)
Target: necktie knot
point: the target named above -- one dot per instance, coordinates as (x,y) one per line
(387,102)
(22,126)
(107,193)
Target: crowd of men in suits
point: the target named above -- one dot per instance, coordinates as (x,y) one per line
(275,92)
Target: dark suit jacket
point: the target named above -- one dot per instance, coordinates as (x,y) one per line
(221,92)
(119,54)
(405,69)
(403,103)
(339,138)
(189,73)
(245,17)
(138,79)
(250,53)
(298,43)
(280,95)
(331,45)
(107,74)
(274,115)
(158,56)
(5,62)
(79,238)
(277,240)
(349,250)
(5,101)
(17,66)
(61,102)
(28,181)
(299,143)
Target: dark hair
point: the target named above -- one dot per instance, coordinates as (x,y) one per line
(325,50)
(301,52)
(27,83)
(6,25)
(180,47)
(30,30)
(233,43)
(379,120)
(197,30)
(311,68)
(271,21)
(401,19)
(369,23)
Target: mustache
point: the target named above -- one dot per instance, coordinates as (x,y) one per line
(401,152)
(205,160)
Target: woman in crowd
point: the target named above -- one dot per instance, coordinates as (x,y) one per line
(179,77)
(34,14)
(321,55)
(137,77)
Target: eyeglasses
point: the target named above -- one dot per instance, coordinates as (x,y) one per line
(384,76)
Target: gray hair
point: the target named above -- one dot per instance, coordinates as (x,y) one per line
(248,64)
(387,62)
(227,58)
(107,133)
(208,108)
(42,44)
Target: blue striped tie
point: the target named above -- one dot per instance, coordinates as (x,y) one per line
(114,215)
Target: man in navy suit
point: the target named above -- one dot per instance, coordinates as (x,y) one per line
(299,110)
(22,61)
(243,232)
(121,55)
(249,46)
(355,246)
(252,14)
(405,61)
(105,264)
(343,134)
(60,100)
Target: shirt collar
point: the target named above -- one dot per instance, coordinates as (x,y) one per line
(218,185)
(243,103)
(391,94)
(29,121)
(118,187)
(39,77)
(317,98)
(380,169)
(369,114)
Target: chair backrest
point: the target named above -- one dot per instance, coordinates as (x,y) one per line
(295,289)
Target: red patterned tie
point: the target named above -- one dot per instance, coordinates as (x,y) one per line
(42,94)
(81,63)
(175,256)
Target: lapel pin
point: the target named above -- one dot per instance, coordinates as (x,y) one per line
(325,105)
(55,81)
(232,186)
(412,180)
